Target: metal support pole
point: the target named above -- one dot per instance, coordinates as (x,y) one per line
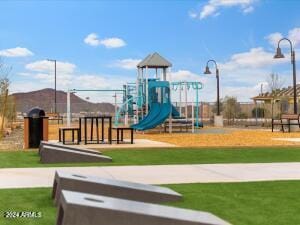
(218,93)
(186,103)
(55,109)
(180,99)
(193,118)
(170,97)
(197,106)
(294,82)
(279,55)
(69,108)
(147,91)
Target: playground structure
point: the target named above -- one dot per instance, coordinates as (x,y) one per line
(147,103)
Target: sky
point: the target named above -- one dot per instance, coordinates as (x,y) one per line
(97,44)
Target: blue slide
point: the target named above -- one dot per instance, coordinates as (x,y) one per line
(153,113)
(155,118)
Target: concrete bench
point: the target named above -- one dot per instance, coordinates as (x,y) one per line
(86,209)
(51,154)
(44,144)
(110,187)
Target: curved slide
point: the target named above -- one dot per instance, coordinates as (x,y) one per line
(155,118)
(153,113)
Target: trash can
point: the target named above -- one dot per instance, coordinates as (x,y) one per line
(35,128)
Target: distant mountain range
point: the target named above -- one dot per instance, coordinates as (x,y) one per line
(45,99)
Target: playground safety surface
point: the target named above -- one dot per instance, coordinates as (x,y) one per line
(231,137)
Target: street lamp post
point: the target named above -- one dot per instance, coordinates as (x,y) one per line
(54,60)
(279,55)
(207,71)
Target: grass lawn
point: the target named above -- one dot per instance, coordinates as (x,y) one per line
(19,159)
(266,203)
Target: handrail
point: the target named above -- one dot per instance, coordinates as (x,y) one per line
(121,108)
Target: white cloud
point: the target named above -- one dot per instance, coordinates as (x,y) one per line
(128,64)
(114,42)
(48,66)
(15,52)
(43,72)
(293,35)
(91,81)
(213,6)
(248,9)
(24,74)
(92,39)
(207,10)
(254,58)
(185,75)
(273,38)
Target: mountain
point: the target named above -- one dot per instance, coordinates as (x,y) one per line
(45,99)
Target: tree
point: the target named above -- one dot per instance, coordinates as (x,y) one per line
(274,82)
(231,108)
(7,108)
(258,112)
(215,107)
(284,104)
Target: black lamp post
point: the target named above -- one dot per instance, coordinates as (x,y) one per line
(207,71)
(279,55)
(54,60)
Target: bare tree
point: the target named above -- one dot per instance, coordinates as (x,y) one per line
(5,102)
(231,108)
(274,82)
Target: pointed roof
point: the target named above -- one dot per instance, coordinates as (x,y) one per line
(154,60)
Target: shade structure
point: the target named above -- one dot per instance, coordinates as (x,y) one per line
(154,60)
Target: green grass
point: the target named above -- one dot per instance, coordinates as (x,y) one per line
(19,159)
(29,199)
(263,203)
(253,203)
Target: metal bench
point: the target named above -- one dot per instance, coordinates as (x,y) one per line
(110,187)
(120,134)
(285,120)
(78,208)
(51,154)
(179,124)
(62,135)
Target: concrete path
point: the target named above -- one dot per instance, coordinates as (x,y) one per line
(138,143)
(164,174)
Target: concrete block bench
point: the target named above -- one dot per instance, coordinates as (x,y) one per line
(110,187)
(86,209)
(50,154)
(44,144)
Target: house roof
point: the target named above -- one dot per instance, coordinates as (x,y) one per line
(154,60)
(284,92)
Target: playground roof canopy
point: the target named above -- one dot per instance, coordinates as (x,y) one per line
(154,60)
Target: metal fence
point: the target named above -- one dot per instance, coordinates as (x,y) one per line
(249,114)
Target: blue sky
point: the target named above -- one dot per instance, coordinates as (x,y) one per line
(98,43)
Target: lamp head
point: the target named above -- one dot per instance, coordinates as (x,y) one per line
(207,71)
(278,54)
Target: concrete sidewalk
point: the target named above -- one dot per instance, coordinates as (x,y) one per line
(161,174)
